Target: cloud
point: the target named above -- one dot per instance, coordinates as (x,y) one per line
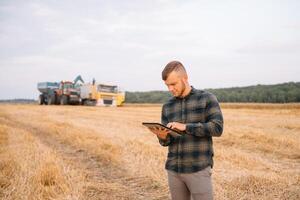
(271,48)
(129,42)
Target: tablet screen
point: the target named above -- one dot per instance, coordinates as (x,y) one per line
(173,132)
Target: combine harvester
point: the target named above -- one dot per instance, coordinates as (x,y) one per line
(101,95)
(67,92)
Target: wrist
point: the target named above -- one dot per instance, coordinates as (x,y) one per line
(162,137)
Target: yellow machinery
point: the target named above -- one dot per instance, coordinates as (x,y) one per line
(101,95)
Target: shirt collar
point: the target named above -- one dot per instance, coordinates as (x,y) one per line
(193,90)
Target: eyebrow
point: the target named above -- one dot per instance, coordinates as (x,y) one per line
(173,83)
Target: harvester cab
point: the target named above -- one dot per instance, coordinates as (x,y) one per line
(67,93)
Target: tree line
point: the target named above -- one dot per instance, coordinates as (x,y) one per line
(279,93)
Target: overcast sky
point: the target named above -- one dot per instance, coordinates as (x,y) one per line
(222,43)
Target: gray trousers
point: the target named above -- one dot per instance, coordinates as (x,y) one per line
(197,185)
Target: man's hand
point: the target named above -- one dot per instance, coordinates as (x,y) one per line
(176,125)
(160,132)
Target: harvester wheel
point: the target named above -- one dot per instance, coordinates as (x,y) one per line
(51,99)
(41,99)
(64,100)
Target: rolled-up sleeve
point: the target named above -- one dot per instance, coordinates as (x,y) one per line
(213,125)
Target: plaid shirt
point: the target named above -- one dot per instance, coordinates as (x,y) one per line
(193,151)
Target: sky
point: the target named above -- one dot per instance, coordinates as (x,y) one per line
(222,43)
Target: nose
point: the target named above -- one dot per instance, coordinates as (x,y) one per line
(171,88)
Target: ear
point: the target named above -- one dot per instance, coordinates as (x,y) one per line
(185,78)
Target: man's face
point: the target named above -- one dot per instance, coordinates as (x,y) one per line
(176,83)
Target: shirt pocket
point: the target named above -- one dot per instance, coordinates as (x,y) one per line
(197,113)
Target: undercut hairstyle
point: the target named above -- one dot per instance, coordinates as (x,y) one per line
(172,66)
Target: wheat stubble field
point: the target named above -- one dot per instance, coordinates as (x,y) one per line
(73,152)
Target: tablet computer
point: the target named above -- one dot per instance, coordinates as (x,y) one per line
(173,132)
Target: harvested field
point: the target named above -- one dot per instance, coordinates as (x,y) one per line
(77,152)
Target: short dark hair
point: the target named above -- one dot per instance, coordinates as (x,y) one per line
(172,66)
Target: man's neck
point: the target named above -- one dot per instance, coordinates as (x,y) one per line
(186,91)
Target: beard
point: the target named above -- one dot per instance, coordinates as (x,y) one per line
(182,89)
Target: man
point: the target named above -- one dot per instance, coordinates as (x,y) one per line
(198,116)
